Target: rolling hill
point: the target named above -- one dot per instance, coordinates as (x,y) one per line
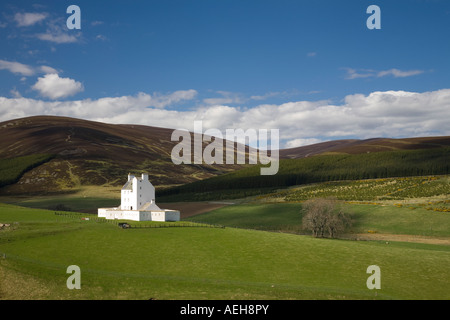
(314,169)
(93,153)
(365,146)
(79,152)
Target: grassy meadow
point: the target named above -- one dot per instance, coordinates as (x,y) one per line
(208,263)
(286,217)
(262,253)
(82,199)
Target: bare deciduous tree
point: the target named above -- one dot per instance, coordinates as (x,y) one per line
(322,216)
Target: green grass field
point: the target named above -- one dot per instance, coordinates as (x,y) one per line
(74,203)
(205,263)
(286,217)
(84,199)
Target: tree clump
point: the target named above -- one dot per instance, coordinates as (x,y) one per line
(325,216)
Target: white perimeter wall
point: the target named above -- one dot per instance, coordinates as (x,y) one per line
(166,215)
(172,215)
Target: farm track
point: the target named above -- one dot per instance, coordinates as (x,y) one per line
(402,238)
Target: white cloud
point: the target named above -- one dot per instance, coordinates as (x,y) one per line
(398,73)
(226,98)
(17,68)
(101,37)
(56,32)
(23,69)
(15,93)
(55,27)
(124,109)
(265,96)
(28,18)
(379,114)
(162,101)
(57,37)
(369,73)
(301,142)
(47,69)
(353,74)
(54,87)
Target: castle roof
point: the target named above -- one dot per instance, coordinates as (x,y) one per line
(128,185)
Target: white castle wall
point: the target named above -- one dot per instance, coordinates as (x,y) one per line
(139,204)
(134,215)
(142,192)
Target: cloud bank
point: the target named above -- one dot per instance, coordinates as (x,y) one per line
(388,114)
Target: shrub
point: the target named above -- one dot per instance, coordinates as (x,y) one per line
(321,216)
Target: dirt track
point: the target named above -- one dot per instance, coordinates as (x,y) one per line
(402,237)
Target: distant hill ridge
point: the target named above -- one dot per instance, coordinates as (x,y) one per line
(95,153)
(364,146)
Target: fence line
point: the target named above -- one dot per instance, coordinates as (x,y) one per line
(184,224)
(80,216)
(180,225)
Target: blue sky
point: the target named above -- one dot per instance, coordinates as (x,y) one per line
(312,69)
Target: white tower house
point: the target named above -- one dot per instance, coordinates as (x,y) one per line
(138,193)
